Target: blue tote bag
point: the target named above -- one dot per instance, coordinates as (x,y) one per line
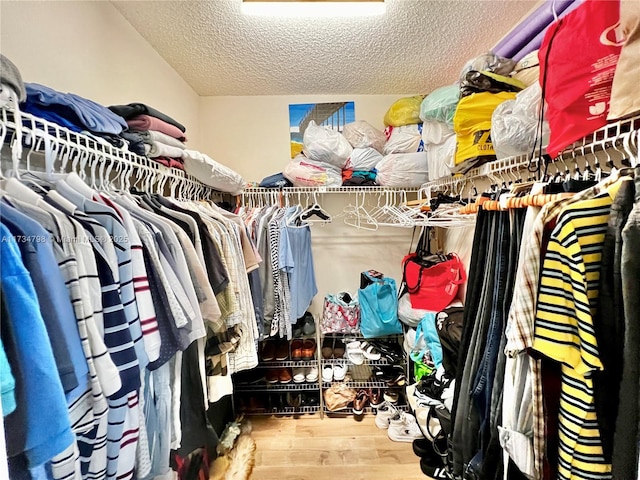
(379,307)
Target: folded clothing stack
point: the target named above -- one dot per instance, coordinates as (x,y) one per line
(73,112)
(153,133)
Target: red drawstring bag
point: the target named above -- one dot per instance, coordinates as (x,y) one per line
(578,58)
(432,286)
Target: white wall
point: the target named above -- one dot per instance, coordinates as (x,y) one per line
(88,48)
(251,134)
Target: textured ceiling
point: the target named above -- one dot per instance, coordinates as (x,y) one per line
(416,46)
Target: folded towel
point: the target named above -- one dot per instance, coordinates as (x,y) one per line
(146,122)
(158,149)
(212,173)
(134,109)
(149,136)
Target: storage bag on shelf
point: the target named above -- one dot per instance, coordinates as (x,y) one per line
(361,134)
(405,139)
(625,100)
(379,307)
(323,144)
(440,105)
(405,111)
(488,62)
(477,82)
(363,159)
(406,170)
(472,124)
(578,58)
(303,172)
(527,70)
(440,145)
(341,314)
(515,124)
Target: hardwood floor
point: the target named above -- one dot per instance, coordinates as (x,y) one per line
(339,448)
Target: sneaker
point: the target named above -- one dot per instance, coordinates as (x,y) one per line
(391,396)
(327,373)
(434,468)
(384,414)
(339,371)
(404,428)
(299,375)
(312,374)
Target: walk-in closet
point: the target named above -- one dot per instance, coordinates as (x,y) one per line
(305,239)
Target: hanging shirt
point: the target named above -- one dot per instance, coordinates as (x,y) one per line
(28,349)
(7,384)
(564,331)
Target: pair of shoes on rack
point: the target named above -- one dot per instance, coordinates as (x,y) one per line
(275,350)
(358,351)
(332,347)
(337,371)
(392,375)
(305,326)
(303,349)
(364,397)
(305,374)
(281,375)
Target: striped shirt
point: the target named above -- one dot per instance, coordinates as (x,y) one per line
(564,331)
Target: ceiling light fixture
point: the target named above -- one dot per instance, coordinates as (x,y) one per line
(313,8)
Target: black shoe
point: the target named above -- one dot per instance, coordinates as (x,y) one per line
(434,468)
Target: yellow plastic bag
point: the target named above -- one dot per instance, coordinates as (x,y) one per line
(472,124)
(405,111)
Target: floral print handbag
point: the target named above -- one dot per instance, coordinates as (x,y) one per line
(341,314)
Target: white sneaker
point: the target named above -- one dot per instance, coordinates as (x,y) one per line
(312,374)
(339,371)
(327,373)
(384,415)
(298,374)
(404,428)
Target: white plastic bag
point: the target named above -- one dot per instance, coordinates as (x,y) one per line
(405,139)
(323,144)
(361,134)
(408,315)
(303,172)
(435,132)
(403,170)
(441,157)
(514,124)
(363,159)
(212,173)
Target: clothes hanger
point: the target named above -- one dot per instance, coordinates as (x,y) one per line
(315,210)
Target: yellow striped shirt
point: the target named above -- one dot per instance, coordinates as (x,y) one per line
(564,331)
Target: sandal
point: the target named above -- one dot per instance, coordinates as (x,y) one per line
(369,351)
(354,353)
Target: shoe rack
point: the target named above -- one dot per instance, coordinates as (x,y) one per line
(257,392)
(357,382)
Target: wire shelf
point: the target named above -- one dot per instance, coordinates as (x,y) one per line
(307,410)
(277,387)
(368,410)
(358,384)
(288,363)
